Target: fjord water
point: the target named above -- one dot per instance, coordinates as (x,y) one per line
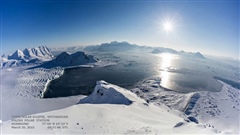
(178,73)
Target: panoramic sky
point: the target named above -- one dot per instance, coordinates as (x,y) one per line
(211,27)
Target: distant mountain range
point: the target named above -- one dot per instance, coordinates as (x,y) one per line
(113,46)
(42,54)
(125,46)
(42,57)
(163,50)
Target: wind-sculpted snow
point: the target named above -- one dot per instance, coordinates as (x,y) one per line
(31,83)
(105,93)
(151,91)
(219,110)
(138,117)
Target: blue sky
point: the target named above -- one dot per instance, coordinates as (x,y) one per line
(211,27)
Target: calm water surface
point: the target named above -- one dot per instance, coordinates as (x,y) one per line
(178,73)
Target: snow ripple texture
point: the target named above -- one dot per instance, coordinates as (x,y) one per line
(32,83)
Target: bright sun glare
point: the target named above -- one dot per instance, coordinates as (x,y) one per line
(167,26)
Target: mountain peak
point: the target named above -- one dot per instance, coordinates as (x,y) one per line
(28,56)
(199,55)
(38,52)
(105,93)
(78,58)
(18,55)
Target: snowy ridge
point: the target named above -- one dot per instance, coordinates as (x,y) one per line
(18,55)
(30,56)
(190,54)
(186,54)
(112,46)
(151,91)
(41,52)
(218,110)
(136,118)
(105,93)
(163,50)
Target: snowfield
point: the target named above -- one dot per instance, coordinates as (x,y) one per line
(27,83)
(104,116)
(31,83)
(219,110)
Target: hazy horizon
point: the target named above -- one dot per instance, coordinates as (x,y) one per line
(209,27)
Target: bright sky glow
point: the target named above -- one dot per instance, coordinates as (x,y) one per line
(210,27)
(168,26)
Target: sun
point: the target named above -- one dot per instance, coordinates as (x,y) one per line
(167,26)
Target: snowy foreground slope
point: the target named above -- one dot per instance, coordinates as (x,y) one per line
(103,114)
(219,110)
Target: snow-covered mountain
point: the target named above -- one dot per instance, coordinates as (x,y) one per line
(183,53)
(163,50)
(28,56)
(190,54)
(41,52)
(125,46)
(57,51)
(66,59)
(104,94)
(17,55)
(113,46)
(199,55)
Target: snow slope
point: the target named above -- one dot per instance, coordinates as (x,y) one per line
(219,110)
(18,55)
(106,117)
(106,94)
(20,90)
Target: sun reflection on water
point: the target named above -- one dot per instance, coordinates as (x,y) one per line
(166,61)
